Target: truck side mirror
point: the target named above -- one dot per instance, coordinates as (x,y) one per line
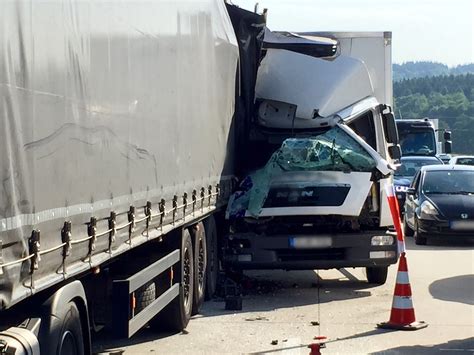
(390,128)
(448,147)
(447,135)
(395,152)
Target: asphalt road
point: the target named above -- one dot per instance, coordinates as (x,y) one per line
(285,308)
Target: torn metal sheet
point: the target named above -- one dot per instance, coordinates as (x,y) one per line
(334,151)
(318,88)
(315,46)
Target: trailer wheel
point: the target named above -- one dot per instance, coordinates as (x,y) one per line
(176,315)
(200,262)
(377,275)
(71,338)
(212,270)
(145,296)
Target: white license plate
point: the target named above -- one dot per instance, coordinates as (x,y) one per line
(462,225)
(310,242)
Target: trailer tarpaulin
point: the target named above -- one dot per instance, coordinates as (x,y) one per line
(103,105)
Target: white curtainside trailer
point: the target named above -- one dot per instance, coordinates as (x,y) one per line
(115,153)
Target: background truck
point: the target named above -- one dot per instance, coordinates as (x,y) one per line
(322,136)
(420,137)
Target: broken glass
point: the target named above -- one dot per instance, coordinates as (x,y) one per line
(334,150)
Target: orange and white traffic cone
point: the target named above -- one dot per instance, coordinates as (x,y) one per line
(395,212)
(402,316)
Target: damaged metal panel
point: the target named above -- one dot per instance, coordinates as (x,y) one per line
(315,46)
(104,105)
(336,159)
(318,88)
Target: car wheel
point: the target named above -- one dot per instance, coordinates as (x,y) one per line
(406,228)
(420,238)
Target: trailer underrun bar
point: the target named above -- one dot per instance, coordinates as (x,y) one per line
(126,323)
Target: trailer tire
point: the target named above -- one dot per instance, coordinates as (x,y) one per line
(176,315)
(71,337)
(377,275)
(200,265)
(212,269)
(144,296)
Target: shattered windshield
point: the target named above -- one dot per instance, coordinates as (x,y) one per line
(334,150)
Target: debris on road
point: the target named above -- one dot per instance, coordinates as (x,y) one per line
(256,318)
(314,323)
(274,342)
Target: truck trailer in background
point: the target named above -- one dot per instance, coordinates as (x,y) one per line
(124,127)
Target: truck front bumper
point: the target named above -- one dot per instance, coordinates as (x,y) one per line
(298,252)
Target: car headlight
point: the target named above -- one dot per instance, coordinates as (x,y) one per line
(428,211)
(399,188)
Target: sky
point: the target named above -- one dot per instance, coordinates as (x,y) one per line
(433,30)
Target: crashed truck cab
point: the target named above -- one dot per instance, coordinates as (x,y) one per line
(328,146)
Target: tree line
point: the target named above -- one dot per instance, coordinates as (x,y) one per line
(449,98)
(410,70)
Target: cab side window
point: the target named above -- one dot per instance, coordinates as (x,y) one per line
(416,181)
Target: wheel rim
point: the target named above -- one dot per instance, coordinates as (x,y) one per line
(68,344)
(187,278)
(201,263)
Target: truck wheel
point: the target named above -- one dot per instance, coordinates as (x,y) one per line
(212,270)
(200,262)
(420,238)
(175,316)
(406,229)
(377,275)
(144,296)
(71,338)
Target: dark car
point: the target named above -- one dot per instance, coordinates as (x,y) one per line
(440,203)
(406,172)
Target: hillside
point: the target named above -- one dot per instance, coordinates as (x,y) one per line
(450,98)
(410,70)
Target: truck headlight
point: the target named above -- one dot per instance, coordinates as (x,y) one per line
(379,240)
(428,211)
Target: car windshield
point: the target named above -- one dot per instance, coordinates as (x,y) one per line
(410,167)
(449,182)
(418,143)
(465,161)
